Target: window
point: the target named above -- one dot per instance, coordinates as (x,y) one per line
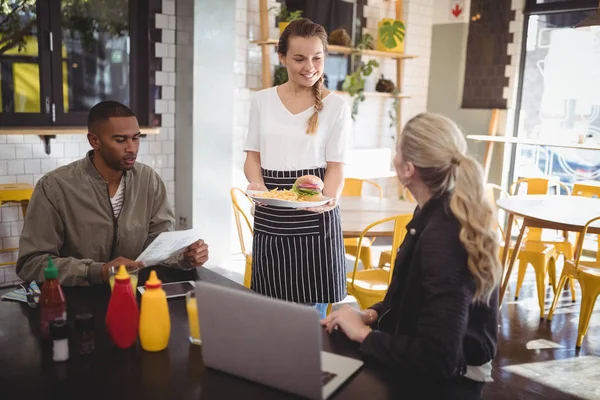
(559,98)
(60,57)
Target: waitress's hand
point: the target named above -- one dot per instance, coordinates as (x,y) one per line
(257,186)
(260,187)
(348,320)
(324,208)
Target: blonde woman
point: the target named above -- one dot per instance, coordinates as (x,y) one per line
(437,325)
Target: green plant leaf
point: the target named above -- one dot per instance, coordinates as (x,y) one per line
(390,34)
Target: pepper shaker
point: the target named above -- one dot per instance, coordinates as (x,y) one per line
(84,326)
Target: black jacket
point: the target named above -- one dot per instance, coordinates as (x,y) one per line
(429,327)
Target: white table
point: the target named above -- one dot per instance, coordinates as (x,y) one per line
(566,213)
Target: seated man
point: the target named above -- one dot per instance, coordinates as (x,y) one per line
(101,211)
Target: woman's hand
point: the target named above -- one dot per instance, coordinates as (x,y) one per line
(257,186)
(350,321)
(330,205)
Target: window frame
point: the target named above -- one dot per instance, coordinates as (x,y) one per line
(532,8)
(50,65)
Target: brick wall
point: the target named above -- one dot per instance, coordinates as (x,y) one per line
(22,157)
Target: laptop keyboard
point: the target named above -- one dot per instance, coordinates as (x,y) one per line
(326,377)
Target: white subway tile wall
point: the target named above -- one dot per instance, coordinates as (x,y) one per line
(22,157)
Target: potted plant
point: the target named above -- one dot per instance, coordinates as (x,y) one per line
(340,37)
(390,35)
(280,76)
(354,83)
(385,85)
(284,16)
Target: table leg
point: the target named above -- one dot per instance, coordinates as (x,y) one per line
(511,263)
(507,235)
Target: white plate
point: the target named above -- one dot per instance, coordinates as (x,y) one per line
(286,203)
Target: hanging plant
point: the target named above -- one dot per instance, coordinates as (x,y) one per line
(395,105)
(354,83)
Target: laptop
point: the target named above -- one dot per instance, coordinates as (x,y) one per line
(269,341)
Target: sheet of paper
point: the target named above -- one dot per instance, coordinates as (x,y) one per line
(19,294)
(167,245)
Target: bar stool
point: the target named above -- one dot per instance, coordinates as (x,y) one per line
(14,193)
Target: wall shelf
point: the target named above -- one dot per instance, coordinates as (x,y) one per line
(47,133)
(346,50)
(367,94)
(61,130)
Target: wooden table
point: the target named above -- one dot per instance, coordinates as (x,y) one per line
(566,213)
(28,372)
(359,212)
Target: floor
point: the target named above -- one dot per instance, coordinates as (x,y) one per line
(536,359)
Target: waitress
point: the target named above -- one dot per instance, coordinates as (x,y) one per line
(295,129)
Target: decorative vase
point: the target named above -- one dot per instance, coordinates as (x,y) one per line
(282,26)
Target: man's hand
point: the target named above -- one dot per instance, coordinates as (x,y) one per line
(117,262)
(196,254)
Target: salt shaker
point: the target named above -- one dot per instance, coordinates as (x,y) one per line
(59,331)
(84,327)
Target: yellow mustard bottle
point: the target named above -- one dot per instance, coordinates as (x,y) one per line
(155,322)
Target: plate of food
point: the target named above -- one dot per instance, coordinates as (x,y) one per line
(306,192)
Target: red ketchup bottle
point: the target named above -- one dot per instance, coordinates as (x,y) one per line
(52,300)
(122,316)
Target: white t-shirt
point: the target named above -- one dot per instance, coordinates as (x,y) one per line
(281,139)
(117,199)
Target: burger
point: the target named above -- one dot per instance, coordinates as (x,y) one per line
(308,185)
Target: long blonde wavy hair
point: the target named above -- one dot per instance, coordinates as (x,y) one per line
(437,148)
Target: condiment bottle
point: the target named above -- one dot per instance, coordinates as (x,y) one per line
(59,331)
(52,299)
(155,323)
(122,316)
(84,326)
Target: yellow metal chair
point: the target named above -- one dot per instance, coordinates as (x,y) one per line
(541,186)
(588,190)
(588,275)
(541,256)
(353,188)
(369,286)
(239,214)
(15,193)
(385,257)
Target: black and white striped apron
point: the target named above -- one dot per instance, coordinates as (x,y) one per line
(297,255)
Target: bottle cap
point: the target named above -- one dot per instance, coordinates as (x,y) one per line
(50,272)
(153,282)
(59,329)
(84,322)
(122,275)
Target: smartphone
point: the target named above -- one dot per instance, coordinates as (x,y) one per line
(174,289)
